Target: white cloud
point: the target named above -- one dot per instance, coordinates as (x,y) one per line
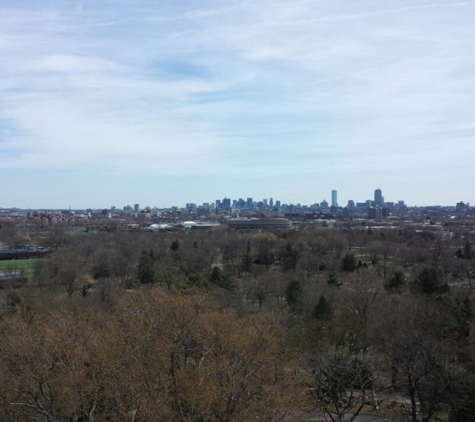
(70,63)
(202,13)
(60,135)
(201,87)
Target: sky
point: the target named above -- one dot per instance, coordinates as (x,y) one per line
(162,103)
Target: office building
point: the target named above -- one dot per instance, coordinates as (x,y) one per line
(378,198)
(334,198)
(375,213)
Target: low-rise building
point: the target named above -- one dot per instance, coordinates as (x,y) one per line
(259,224)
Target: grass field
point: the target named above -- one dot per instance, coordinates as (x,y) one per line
(19,264)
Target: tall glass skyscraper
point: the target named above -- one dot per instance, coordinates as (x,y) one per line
(334,198)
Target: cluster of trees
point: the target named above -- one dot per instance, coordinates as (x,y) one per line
(155,356)
(335,320)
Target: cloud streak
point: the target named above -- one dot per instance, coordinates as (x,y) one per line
(365,15)
(316,90)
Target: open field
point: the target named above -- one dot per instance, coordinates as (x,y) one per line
(19,264)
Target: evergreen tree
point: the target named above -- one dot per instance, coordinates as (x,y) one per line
(293,294)
(146,270)
(349,263)
(323,310)
(428,282)
(222,279)
(396,281)
(289,258)
(247,259)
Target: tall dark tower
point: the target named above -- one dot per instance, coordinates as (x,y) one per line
(378,198)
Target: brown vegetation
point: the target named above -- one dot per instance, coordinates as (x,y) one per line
(234,326)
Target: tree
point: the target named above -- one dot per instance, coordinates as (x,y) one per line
(339,384)
(247,262)
(222,279)
(123,268)
(463,407)
(289,259)
(349,263)
(168,272)
(466,252)
(101,267)
(309,264)
(293,294)
(323,309)
(233,252)
(156,357)
(145,269)
(428,282)
(416,337)
(265,255)
(247,259)
(175,245)
(41,271)
(396,281)
(262,286)
(67,272)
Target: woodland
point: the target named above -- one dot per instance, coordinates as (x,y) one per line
(309,324)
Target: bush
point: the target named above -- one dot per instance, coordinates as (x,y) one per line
(396,281)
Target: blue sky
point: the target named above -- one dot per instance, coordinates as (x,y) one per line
(161,103)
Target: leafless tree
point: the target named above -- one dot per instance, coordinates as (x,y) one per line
(341,384)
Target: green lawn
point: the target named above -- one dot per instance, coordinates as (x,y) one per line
(17,264)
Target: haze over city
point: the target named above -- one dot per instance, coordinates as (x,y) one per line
(122,102)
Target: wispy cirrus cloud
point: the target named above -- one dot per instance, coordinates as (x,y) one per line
(71,63)
(243,88)
(203,13)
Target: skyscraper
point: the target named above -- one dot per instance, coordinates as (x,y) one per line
(378,198)
(334,198)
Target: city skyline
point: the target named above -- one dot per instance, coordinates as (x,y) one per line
(120,102)
(376,198)
(242,202)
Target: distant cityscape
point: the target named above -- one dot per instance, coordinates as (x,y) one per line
(375,208)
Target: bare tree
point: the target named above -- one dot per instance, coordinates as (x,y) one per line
(416,338)
(157,357)
(340,384)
